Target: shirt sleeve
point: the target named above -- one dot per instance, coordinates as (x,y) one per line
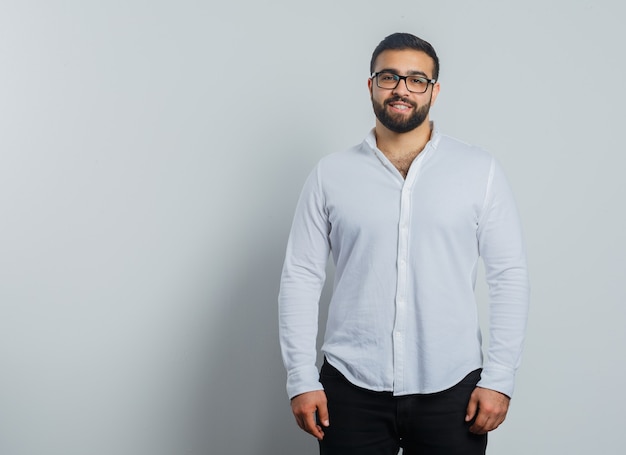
(302,280)
(502,249)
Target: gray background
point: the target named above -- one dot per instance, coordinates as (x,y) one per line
(151,154)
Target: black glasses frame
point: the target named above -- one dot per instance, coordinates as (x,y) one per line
(400,78)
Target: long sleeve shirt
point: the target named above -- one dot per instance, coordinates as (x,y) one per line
(403,316)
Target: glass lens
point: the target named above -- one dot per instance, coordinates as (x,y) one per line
(417,84)
(387,80)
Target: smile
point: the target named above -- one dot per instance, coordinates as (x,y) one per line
(400,106)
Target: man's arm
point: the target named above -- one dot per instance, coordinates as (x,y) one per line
(502,249)
(302,279)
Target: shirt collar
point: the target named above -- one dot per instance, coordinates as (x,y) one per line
(435,137)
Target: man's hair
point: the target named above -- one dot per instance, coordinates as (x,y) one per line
(401,41)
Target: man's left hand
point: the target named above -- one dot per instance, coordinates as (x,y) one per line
(489,407)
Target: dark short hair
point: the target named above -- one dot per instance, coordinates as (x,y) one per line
(401,41)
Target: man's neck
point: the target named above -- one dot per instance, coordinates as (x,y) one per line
(402,145)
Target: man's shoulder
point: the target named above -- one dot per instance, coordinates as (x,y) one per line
(343,157)
(460,150)
(453,143)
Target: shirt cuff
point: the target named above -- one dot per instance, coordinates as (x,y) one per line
(303,380)
(498,378)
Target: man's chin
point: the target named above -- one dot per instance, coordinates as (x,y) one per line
(399,128)
(400,122)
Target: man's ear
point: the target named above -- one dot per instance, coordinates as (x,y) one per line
(434,94)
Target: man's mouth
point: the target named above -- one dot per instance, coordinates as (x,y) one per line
(399,105)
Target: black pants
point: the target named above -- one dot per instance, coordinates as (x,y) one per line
(363,422)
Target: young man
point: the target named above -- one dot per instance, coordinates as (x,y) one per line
(406,215)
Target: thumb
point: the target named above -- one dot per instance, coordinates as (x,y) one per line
(322,415)
(472,407)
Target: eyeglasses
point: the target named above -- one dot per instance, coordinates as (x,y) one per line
(389,81)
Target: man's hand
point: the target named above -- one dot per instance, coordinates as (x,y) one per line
(304,408)
(489,407)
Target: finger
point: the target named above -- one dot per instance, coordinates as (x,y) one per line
(486,422)
(300,422)
(485,428)
(322,414)
(472,407)
(481,424)
(310,426)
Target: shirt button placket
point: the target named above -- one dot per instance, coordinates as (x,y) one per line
(401,309)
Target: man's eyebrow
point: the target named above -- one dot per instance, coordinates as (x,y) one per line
(410,73)
(418,73)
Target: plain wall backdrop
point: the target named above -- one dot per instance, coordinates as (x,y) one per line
(151,155)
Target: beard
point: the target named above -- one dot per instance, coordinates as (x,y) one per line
(396,122)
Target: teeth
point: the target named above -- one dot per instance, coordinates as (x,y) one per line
(400,106)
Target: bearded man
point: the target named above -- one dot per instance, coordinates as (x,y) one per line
(406,215)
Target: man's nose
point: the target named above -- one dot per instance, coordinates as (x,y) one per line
(401,88)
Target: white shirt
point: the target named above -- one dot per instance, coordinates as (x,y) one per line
(403,316)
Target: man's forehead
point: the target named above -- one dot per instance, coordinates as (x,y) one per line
(405,60)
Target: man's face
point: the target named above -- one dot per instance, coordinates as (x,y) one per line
(400,110)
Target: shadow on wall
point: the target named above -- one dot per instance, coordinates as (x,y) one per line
(240,404)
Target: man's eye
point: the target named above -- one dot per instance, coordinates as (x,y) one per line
(388,77)
(418,81)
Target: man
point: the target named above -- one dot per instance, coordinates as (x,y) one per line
(406,215)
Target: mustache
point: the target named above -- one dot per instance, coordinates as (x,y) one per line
(397,98)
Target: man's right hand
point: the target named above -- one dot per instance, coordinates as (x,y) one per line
(304,408)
